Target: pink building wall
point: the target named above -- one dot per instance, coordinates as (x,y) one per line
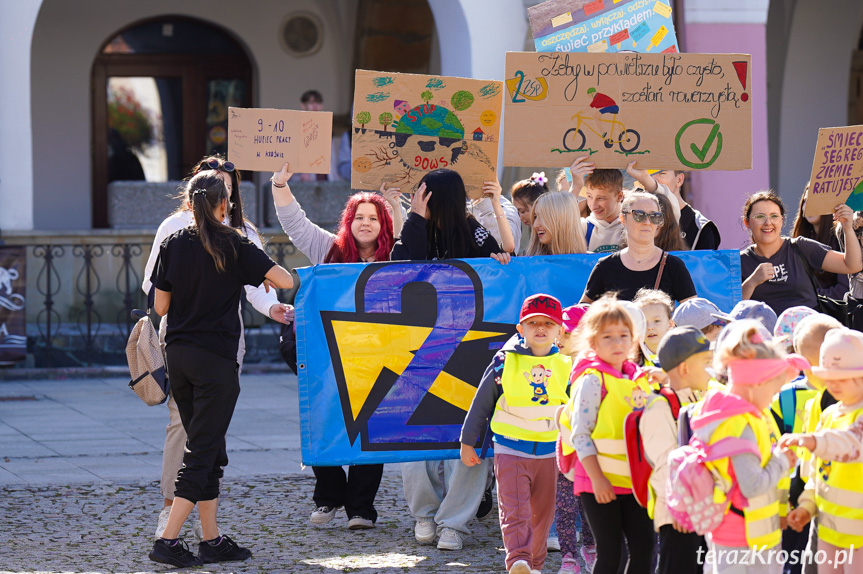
(720,194)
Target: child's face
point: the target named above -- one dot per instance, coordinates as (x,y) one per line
(523,209)
(658,324)
(697,376)
(668,178)
(539,333)
(848,391)
(567,343)
(711,332)
(613,343)
(604,204)
(762,395)
(542,234)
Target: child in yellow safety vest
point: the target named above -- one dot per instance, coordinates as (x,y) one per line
(807,330)
(685,355)
(519,394)
(606,387)
(756,369)
(834,490)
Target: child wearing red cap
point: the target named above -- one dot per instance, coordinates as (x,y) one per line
(517,398)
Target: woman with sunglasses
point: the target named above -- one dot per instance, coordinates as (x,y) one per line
(266,303)
(778,270)
(641,263)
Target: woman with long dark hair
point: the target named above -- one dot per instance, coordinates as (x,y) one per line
(198,281)
(439,227)
(365,234)
(775,269)
(264,301)
(824,230)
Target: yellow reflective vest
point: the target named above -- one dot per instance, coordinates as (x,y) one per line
(622,397)
(761,513)
(533,389)
(839,490)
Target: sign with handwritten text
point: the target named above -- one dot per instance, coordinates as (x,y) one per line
(837,173)
(261,139)
(603,26)
(667,111)
(406,125)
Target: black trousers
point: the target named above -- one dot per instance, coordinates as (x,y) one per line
(678,552)
(613,521)
(205,386)
(355,490)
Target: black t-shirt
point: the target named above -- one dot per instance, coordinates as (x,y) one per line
(791,284)
(205,303)
(690,223)
(610,274)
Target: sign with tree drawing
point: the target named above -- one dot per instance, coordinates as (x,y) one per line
(837,172)
(668,111)
(405,125)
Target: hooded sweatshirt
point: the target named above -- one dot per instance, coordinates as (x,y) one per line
(485,401)
(746,471)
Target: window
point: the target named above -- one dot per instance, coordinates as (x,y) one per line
(161,92)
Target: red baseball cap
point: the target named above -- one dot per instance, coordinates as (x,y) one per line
(544,305)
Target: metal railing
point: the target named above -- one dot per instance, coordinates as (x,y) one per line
(81,291)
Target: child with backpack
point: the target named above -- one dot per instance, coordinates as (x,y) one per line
(731,447)
(606,387)
(519,394)
(685,355)
(834,490)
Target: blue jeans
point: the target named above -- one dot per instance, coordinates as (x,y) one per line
(450,501)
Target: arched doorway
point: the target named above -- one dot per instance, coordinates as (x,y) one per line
(161,90)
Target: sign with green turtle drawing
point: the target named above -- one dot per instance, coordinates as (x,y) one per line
(668,111)
(405,125)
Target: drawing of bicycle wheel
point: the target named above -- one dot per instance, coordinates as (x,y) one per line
(629,140)
(574,139)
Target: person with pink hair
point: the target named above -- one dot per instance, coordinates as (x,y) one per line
(365,234)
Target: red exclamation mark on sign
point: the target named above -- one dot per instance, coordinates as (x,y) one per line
(740,67)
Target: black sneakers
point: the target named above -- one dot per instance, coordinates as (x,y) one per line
(177,555)
(485,505)
(225,551)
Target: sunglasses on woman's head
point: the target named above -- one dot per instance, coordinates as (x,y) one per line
(216,164)
(656,217)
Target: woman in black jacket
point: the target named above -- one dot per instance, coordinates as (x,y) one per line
(439,226)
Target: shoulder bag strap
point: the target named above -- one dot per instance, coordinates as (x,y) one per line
(661,268)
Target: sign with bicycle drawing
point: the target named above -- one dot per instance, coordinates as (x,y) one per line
(406,125)
(668,111)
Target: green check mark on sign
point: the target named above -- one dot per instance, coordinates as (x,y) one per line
(714,140)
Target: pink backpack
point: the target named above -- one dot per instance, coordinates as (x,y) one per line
(690,488)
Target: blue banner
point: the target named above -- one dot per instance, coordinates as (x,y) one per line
(390,354)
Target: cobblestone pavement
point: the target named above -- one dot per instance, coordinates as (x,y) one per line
(109,528)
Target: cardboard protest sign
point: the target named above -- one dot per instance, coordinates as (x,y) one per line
(406,125)
(261,139)
(603,26)
(668,111)
(837,172)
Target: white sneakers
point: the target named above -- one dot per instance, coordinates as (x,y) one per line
(520,567)
(323,514)
(553,544)
(197,531)
(450,539)
(425,531)
(360,523)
